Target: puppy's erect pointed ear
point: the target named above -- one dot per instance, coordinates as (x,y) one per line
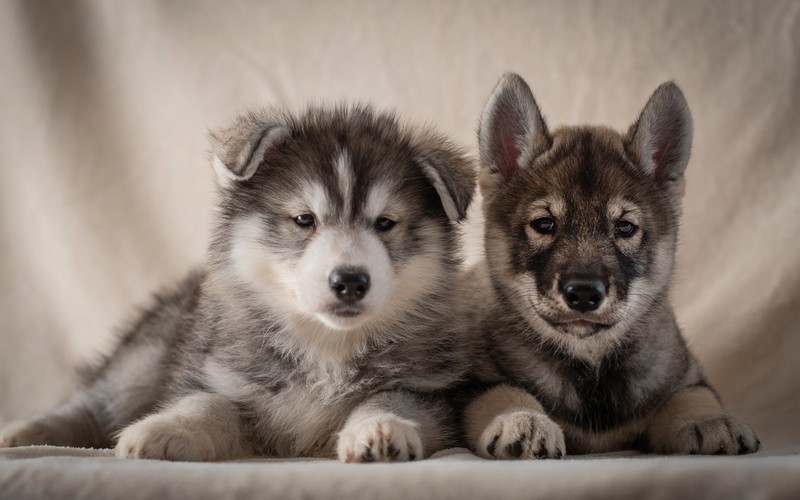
(240,148)
(661,139)
(512,131)
(451,172)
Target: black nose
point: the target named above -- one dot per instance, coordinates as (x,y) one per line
(583,294)
(349,285)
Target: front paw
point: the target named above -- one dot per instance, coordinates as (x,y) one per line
(522,434)
(164,438)
(705,434)
(380,439)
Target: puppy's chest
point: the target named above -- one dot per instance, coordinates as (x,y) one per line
(599,409)
(299,411)
(594,398)
(303,417)
(602,395)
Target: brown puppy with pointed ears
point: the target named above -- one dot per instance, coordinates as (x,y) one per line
(573,299)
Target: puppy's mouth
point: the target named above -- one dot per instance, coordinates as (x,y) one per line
(580,327)
(346,312)
(344,317)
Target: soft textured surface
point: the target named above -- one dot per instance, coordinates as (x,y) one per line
(47,472)
(106,187)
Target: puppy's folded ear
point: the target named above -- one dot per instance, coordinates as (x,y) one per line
(451,172)
(512,131)
(243,146)
(661,139)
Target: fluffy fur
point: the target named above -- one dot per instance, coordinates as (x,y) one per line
(320,324)
(573,302)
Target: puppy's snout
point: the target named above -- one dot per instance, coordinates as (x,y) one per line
(583,294)
(349,284)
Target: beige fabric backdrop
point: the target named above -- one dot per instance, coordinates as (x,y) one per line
(106,189)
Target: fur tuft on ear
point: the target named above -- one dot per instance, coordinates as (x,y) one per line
(512,131)
(660,141)
(451,172)
(240,148)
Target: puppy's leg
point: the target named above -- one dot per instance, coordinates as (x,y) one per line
(197,427)
(118,390)
(73,424)
(395,426)
(692,421)
(508,422)
(127,388)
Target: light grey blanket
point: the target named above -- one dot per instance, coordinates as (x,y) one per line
(48,472)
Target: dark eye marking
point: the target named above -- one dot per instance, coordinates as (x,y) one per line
(384,224)
(306,221)
(544,225)
(625,229)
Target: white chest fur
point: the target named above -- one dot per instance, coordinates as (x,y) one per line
(301,418)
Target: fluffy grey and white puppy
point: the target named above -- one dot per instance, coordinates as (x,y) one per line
(321,324)
(574,308)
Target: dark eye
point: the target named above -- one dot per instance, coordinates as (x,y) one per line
(384,224)
(625,229)
(544,225)
(306,221)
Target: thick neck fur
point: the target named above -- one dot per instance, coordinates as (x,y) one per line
(586,382)
(652,322)
(414,316)
(307,341)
